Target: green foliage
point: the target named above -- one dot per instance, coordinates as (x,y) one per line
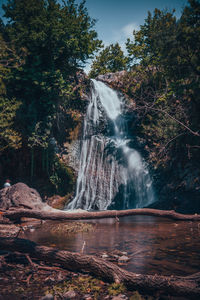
(164,81)
(188,38)
(59,36)
(110,59)
(58,39)
(9,136)
(168,45)
(43,44)
(81,284)
(116,289)
(153,42)
(62,177)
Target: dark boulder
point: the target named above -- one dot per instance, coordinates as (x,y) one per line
(20,195)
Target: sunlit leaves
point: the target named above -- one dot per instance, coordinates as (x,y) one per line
(110,59)
(9,136)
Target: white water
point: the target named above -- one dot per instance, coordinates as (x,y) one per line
(110,171)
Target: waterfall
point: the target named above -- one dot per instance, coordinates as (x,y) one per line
(111,174)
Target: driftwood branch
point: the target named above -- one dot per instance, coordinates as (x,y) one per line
(171,140)
(188,287)
(17,214)
(147,108)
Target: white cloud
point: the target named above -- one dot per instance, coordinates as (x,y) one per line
(127,30)
(87,67)
(123,34)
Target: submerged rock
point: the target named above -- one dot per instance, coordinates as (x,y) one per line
(123,259)
(47,297)
(9,230)
(104,255)
(120,297)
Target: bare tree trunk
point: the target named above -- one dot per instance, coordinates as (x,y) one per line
(16,214)
(188,286)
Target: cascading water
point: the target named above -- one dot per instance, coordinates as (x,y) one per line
(111,174)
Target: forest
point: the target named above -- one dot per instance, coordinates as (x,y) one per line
(44,97)
(44,46)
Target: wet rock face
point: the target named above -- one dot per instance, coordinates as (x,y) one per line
(72,155)
(21,196)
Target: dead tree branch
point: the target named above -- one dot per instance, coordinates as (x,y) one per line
(174,285)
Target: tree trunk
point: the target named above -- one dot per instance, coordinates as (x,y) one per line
(16,214)
(188,286)
(32,162)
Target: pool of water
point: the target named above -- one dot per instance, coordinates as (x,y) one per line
(154,245)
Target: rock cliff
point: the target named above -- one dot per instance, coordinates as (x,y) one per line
(178,182)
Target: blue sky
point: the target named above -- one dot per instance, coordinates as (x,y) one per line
(116,19)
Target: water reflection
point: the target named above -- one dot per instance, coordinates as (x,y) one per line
(155,245)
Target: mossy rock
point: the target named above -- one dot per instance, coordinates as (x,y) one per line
(59,202)
(73,227)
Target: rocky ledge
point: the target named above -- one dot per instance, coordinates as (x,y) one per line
(112,79)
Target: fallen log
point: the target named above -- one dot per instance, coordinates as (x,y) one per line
(188,286)
(17,214)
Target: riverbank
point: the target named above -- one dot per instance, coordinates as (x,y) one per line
(22,279)
(130,231)
(30,271)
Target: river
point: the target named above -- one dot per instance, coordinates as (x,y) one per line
(154,245)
